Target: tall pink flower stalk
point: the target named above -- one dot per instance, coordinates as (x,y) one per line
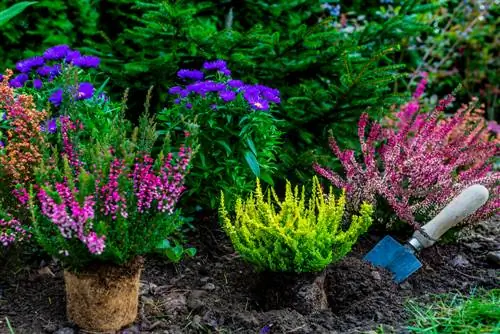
(165,187)
(414,166)
(74,220)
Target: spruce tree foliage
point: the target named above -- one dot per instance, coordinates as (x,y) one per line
(327,75)
(45,24)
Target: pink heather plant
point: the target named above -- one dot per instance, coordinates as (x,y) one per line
(414,166)
(101,192)
(11,230)
(121,207)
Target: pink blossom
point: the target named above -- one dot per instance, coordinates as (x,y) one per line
(73,219)
(414,166)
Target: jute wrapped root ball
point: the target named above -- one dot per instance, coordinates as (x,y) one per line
(105,299)
(103,193)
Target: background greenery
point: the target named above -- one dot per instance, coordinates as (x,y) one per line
(329,66)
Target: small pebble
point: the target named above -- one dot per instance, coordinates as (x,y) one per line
(406,286)
(460,261)
(209,287)
(65,330)
(376,275)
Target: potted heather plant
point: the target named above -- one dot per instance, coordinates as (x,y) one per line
(103,196)
(291,242)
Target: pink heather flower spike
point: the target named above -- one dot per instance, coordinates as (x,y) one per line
(417,166)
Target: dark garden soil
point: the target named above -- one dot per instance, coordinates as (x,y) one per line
(215,292)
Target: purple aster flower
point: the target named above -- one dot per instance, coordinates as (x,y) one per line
(4,116)
(50,126)
(24,66)
(202,88)
(218,65)
(15,84)
(175,90)
(259,104)
(251,92)
(2,145)
(226,72)
(56,97)
(270,94)
(177,101)
(1,77)
(85,91)
(19,80)
(235,83)
(37,83)
(44,70)
(56,52)
(87,62)
(72,55)
(194,75)
(189,105)
(227,96)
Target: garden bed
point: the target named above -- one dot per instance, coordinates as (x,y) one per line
(216,291)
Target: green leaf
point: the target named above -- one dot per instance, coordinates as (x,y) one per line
(14,10)
(190,251)
(266,177)
(174,254)
(225,145)
(252,163)
(101,88)
(251,146)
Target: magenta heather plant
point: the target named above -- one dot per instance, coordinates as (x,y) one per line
(11,230)
(415,168)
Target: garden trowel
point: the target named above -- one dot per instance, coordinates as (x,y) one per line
(401,259)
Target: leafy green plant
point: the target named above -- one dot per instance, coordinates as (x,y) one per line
(328,74)
(296,234)
(47,23)
(456,313)
(237,132)
(14,10)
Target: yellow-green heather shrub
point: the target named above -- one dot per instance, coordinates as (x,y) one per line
(294,235)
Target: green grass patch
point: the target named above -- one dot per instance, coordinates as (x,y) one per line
(457,313)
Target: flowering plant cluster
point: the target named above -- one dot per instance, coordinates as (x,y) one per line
(416,168)
(44,72)
(106,197)
(302,235)
(238,133)
(95,189)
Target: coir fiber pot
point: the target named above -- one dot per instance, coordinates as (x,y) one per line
(103,298)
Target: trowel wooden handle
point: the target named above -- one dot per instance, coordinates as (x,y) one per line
(465,204)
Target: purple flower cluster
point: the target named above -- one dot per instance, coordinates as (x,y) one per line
(258,97)
(85,91)
(164,187)
(72,218)
(39,68)
(11,231)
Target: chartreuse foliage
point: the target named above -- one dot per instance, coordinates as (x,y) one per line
(294,235)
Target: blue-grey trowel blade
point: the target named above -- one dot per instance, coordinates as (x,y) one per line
(390,254)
